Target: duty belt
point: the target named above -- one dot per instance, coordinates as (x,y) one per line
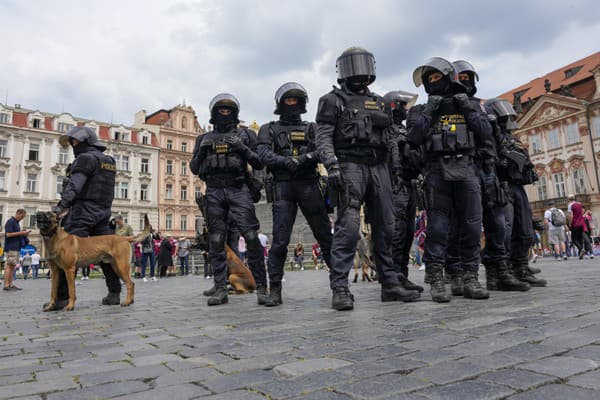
(223,182)
(368,156)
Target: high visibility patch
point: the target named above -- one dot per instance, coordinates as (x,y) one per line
(372,105)
(108,166)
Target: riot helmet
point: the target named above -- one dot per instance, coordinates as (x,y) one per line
(227,101)
(441,87)
(504,112)
(465,67)
(291,89)
(397,102)
(83,134)
(356,66)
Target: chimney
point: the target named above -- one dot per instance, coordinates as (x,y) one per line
(547,85)
(596,72)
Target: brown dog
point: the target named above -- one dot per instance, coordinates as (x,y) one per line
(240,276)
(66,252)
(364,258)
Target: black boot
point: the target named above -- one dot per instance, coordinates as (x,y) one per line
(534,270)
(262,294)
(435,274)
(522,273)
(112,299)
(456,282)
(398,293)
(219,297)
(491,277)
(506,280)
(407,284)
(274,299)
(472,287)
(342,299)
(210,292)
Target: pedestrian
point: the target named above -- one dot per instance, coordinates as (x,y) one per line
(556,226)
(299,255)
(587,233)
(148,256)
(221,158)
(183,253)
(317,255)
(35,264)
(26,264)
(578,225)
(287,148)
(14,239)
(165,256)
(137,253)
(85,271)
(121,228)
(353,145)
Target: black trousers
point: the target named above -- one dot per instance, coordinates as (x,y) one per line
(405,208)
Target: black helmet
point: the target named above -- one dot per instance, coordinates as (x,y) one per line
(81,133)
(355,61)
(462,66)
(224,100)
(504,111)
(394,99)
(291,89)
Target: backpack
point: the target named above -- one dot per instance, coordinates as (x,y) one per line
(557,218)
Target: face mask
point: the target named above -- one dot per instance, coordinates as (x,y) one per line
(438,88)
(80,148)
(470,85)
(291,112)
(399,115)
(356,84)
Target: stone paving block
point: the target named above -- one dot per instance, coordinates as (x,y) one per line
(323,395)
(236,395)
(446,372)
(124,374)
(154,359)
(590,380)
(180,392)
(468,390)
(185,376)
(591,352)
(529,351)
(561,367)
(380,367)
(433,356)
(267,361)
(303,385)
(517,379)
(374,353)
(25,389)
(237,381)
(101,391)
(381,386)
(303,367)
(557,392)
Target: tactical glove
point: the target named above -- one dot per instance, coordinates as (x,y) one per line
(433,103)
(335,176)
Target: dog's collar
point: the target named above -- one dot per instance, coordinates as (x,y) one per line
(50,233)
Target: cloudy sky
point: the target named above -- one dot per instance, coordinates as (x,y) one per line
(108,59)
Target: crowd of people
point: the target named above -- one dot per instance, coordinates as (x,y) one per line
(452,161)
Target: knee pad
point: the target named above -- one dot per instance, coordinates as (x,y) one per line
(252,241)
(216,241)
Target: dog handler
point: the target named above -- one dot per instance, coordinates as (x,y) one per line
(88,192)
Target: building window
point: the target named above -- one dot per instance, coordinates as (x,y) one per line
(184,222)
(118,136)
(59,185)
(541,188)
(559,184)
(3,148)
(62,127)
(553,139)
(169,221)
(34,152)
(596,126)
(2,181)
(169,167)
(578,181)
(197,192)
(29,221)
(184,123)
(169,144)
(125,163)
(572,133)
(36,123)
(572,71)
(145,163)
(169,192)
(4,118)
(31,183)
(184,146)
(183,168)
(183,193)
(144,192)
(63,155)
(145,139)
(1,216)
(141,222)
(124,190)
(535,144)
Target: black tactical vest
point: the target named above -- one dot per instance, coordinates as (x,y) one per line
(292,141)
(409,157)
(514,163)
(449,133)
(359,130)
(100,186)
(220,162)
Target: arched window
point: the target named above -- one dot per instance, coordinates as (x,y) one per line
(184,123)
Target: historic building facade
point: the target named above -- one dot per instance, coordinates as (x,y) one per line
(177,130)
(32,165)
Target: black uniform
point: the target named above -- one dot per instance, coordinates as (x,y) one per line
(278,141)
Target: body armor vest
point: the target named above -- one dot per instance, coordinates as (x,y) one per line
(449,133)
(409,157)
(359,130)
(221,164)
(292,141)
(100,186)
(514,163)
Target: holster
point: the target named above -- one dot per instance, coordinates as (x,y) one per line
(269,188)
(255,186)
(339,199)
(323,188)
(202,204)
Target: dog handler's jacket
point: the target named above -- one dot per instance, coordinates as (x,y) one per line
(92,179)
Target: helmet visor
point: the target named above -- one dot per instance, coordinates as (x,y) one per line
(356,64)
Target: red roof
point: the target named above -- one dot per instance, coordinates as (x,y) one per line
(568,75)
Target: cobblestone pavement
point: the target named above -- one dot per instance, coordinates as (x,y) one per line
(542,344)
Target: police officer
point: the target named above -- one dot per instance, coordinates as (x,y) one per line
(221,159)
(405,166)
(449,129)
(515,168)
(287,148)
(88,194)
(351,140)
(494,257)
